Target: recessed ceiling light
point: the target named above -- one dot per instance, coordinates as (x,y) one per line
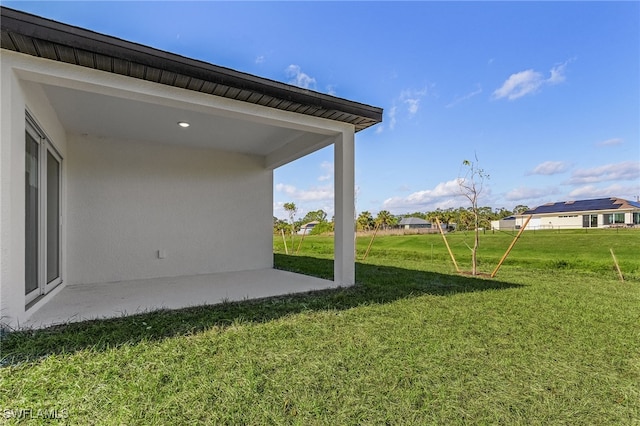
(183,124)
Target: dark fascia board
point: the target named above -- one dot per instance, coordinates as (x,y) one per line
(29,25)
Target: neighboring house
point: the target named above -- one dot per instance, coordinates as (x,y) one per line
(102,180)
(506,224)
(595,213)
(307,228)
(413,223)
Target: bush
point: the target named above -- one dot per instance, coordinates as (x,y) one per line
(322,228)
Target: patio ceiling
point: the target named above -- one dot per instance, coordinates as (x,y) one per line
(110,117)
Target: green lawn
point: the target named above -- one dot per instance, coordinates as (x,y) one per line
(568,249)
(554,339)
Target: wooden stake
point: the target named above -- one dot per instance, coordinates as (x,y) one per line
(617,266)
(375,231)
(447,244)
(301,240)
(513,243)
(284,239)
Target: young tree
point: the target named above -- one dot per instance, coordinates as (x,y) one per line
(291,210)
(471,186)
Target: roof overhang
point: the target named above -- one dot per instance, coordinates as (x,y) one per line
(44,38)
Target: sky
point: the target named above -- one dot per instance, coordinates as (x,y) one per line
(543,96)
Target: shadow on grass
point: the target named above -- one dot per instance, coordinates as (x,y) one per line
(375,285)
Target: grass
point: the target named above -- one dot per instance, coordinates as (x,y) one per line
(579,250)
(411,343)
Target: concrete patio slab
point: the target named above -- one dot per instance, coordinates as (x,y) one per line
(108,300)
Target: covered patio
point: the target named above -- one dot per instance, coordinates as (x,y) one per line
(124,166)
(83,302)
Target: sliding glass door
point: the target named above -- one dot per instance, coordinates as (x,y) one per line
(32,184)
(43,182)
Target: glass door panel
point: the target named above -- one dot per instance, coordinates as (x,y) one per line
(43,250)
(31,215)
(53,218)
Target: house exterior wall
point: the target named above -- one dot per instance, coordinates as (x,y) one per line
(574,220)
(133,209)
(503,225)
(17,97)
(205,210)
(123,201)
(561,220)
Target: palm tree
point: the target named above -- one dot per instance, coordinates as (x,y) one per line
(365,221)
(385,219)
(291,210)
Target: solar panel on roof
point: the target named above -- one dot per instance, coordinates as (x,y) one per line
(582,205)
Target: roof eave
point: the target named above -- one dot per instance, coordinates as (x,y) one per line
(323,105)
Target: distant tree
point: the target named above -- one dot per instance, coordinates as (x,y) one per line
(486,215)
(385,219)
(365,221)
(322,228)
(464,219)
(291,209)
(471,186)
(446,217)
(416,214)
(520,208)
(279,224)
(319,216)
(315,216)
(502,213)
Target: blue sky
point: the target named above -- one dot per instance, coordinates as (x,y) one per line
(546,95)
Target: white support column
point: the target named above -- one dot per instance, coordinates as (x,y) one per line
(344,272)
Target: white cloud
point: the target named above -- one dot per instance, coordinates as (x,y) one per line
(524,193)
(628,192)
(331,90)
(519,84)
(550,168)
(318,193)
(327,167)
(299,78)
(558,74)
(412,105)
(444,194)
(260,59)
(611,142)
(392,117)
(463,98)
(628,170)
(412,98)
(529,82)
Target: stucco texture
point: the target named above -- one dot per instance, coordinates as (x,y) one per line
(207,210)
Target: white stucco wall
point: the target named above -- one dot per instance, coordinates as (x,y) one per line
(562,221)
(123,201)
(208,211)
(18,97)
(574,220)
